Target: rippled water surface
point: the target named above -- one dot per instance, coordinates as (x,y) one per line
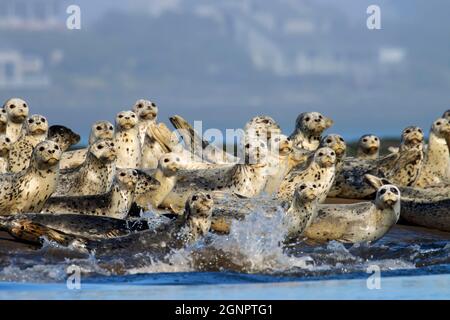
(249,263)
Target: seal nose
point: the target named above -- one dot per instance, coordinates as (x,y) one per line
(128,118)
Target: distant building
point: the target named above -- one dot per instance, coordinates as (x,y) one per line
(32,14)
(21,71)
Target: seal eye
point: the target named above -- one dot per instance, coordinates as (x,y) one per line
(99,147)
(112,144)
(438,123)
(134,173)
(111,128)
(166,160)
(153,104)
(7,140)
(43,120)
(140,105)
(133,116)
(328,140)
(122,174)
(24,105)
(376,139)
(382,191)
(208,196)
(314,186)
(12,106)
(408,131)
(41,149)
(194,198)
(56,147)
(302,187)
(394,190)
(30,120)
(307,119)
(3,111)
(320,154)
(332,153)
(364,140)
(120,115)
(98,128)
(320,117)
(420,130)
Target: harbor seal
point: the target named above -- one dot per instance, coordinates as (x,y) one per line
(36,128)
(99,130)
(17,112)
(400,168)
(27,191)
(5,146)
(358,222)
(199,147)
(320,170)
(77,225)
(3,121)
(126,139)
(147,113)
(194,223)
(165,174)
(436,166)
(309,127)
(94,176)
(246,179)
(63,136)
(368,147)
(278,161)
(115,203)
(420,206)
(152,148)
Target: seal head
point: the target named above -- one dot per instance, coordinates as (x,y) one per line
(145,109)
(16,109)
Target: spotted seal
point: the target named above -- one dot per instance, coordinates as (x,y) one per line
(278,161)
(401,168)
(368,147)
(199,147)
(320,170)
(36,128)
(421,207)
(436,167)
(168,166)
(5,146)
(3,121)
(94,176)
(63,136)
(147,113)
(194,223)
(247,179)
(17,111)
(126,139)
(309,127)
(116,203)
(78,225)
(27,191)
(358,222)
(101,129)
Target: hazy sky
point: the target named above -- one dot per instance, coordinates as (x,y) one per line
(225,61)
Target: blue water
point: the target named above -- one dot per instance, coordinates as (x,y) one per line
(249,263)
(237,287)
